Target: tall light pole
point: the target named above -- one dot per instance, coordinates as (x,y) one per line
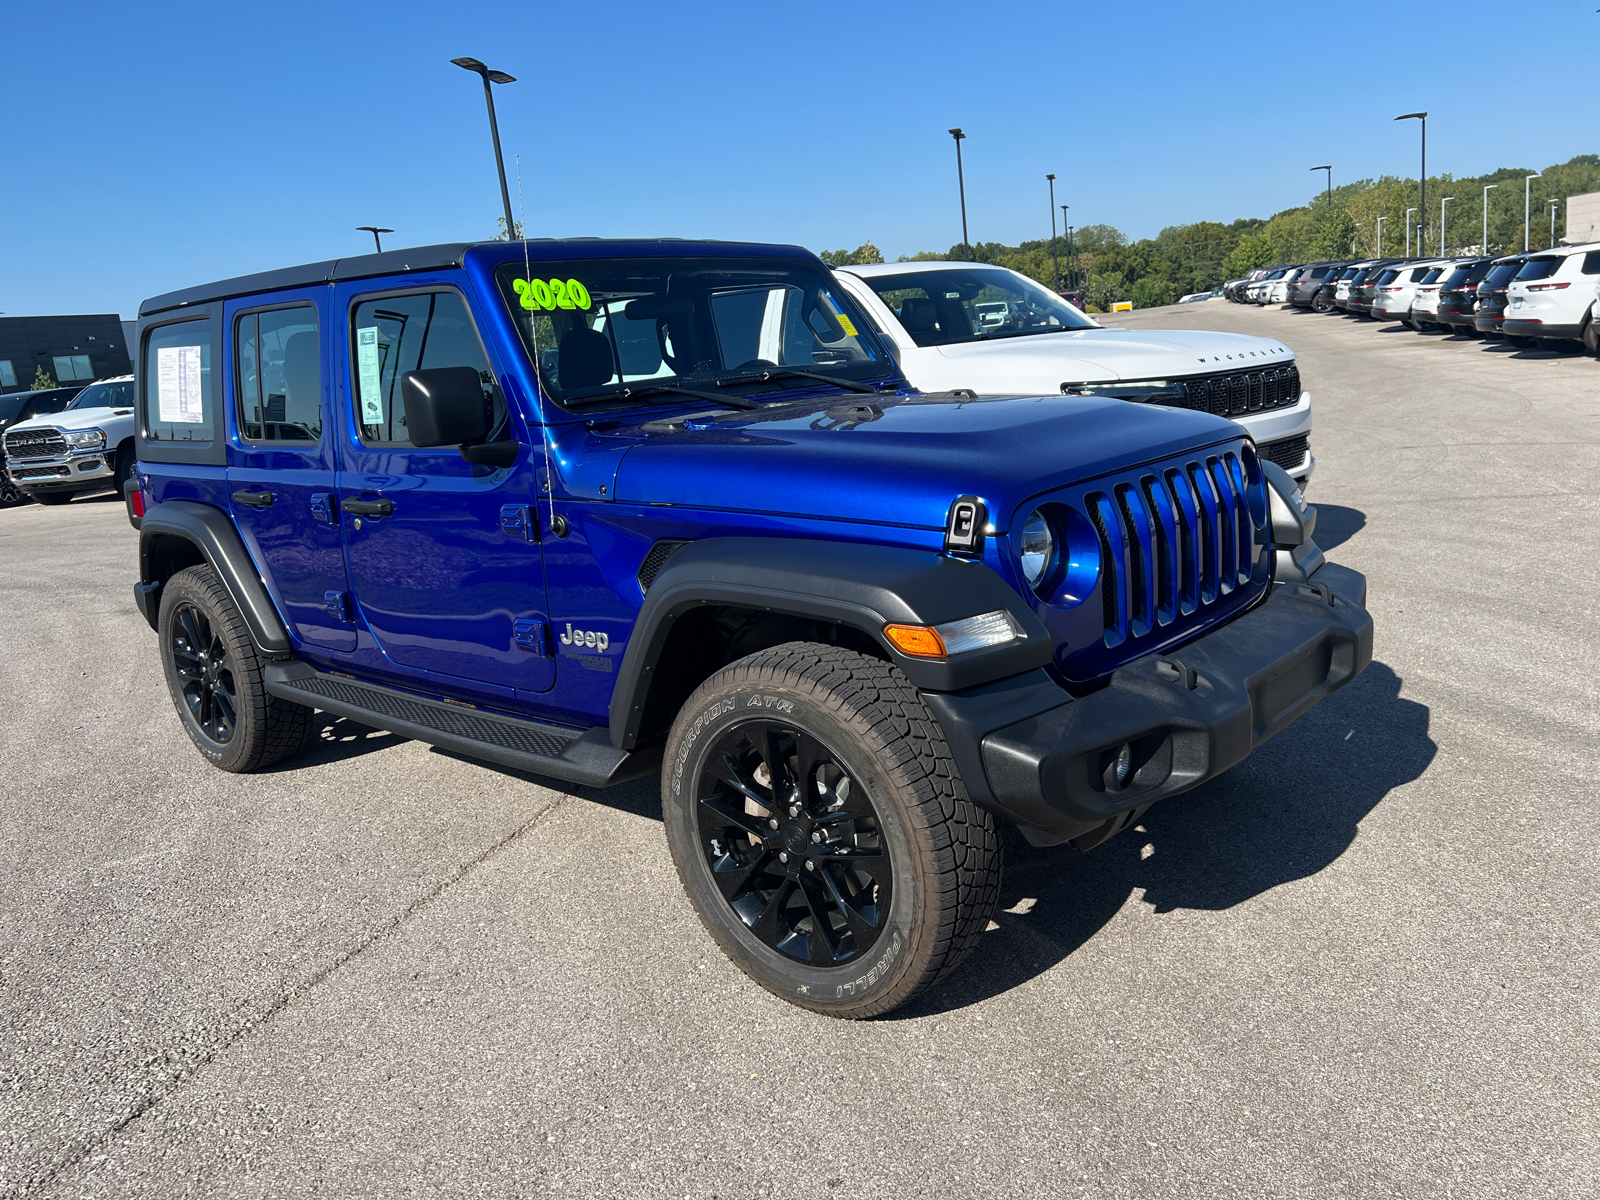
(1409,211)
(1423,117)
(374,231)
(1442,203)
(1072,251)
(472,64)
(961,182)
(1329,169)
(1527,197)
(1054,253)
(1553,205)
(1486,217)
(1381,220)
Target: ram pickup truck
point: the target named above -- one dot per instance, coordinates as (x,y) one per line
(85,447)
(603,510)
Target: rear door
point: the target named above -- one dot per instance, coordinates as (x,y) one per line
(281,478)
(445,564)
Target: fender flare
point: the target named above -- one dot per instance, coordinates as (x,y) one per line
(861,586)
(211,532)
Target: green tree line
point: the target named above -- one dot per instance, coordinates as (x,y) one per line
(1202,256)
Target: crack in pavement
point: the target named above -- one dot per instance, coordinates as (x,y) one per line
(170,1086)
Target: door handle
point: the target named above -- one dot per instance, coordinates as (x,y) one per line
(253,499)
(368,508)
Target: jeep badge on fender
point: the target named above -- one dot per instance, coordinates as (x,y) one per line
(704,448)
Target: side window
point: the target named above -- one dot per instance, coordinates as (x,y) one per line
(8,374)
(413,332)
(178,405)
(278,375)
(1591,263)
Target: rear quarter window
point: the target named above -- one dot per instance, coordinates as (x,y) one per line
(1591,263)
(177,381)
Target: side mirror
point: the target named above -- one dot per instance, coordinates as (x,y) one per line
(444,406)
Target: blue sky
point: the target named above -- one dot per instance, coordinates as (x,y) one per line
(154,146)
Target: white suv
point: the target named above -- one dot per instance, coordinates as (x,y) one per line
(86,447)
(937,319)
(1425,299)
(1552,297)
(1397,288)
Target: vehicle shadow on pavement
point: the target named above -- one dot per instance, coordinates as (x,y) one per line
(334,739)
(1286,813)
(1336,524)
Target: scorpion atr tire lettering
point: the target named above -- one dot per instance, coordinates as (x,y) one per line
(822,831)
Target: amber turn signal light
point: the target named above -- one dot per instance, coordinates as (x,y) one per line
(919,641)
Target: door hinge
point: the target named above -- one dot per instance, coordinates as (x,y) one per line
(339,607)
(516,520)
(530,635)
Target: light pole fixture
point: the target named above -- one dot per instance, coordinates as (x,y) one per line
(1381,220)
(1054,253)
(374,230)
(1423,117)
(1486,217)
(1409,211)
(488,76)
(1527,197)
(1553,205)
(1329,169)
(1442,203)
(961,182)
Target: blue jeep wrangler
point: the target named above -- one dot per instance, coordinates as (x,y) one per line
(597,509)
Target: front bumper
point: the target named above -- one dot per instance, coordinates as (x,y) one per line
(72,471)
(1037,757)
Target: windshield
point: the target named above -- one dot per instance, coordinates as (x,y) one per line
(973,304)
(601,324)
(105,395)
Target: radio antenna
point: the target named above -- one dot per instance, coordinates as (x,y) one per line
(538,371)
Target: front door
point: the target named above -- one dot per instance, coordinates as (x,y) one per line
(280,462)
(442,564)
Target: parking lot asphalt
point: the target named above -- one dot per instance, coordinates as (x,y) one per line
(1361,964)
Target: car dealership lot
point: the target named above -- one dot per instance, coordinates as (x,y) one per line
(1361,964)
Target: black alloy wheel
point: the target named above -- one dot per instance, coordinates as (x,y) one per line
(205,674)
(10,493)
(794,843)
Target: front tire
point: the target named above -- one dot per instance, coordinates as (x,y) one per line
(822,830)
(215,677)
(52,499)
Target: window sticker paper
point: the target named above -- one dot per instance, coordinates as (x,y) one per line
(369,371)
(178,391)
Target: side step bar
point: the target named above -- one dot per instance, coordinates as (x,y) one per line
(587,758)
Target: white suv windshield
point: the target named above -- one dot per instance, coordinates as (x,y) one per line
(972,304)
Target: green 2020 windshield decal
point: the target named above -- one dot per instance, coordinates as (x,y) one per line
(547,295)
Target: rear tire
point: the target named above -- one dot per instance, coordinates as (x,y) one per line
(808,788)
(215,677)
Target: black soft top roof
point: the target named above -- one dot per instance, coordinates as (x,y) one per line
(433,258)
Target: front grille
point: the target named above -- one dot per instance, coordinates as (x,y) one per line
(34,443)
(1237,393)
(40,472)
(1172,542)
(1288,453)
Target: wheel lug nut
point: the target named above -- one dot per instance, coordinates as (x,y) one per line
(794,810)
(773,824)
(810,866)
(783,856)
(817,836)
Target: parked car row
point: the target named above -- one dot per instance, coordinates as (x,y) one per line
(1545,298)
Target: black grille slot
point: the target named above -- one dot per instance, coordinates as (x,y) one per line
(656,559)
(1136,563)
(1288,453)
(1108,568)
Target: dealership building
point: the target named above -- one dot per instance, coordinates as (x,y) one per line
(69,349)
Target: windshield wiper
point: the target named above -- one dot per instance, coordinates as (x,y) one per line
(667,389)
(847,385)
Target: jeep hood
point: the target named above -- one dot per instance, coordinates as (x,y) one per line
(897,460)
(1042,362)
(77,418)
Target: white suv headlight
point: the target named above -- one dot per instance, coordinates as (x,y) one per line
(86,439)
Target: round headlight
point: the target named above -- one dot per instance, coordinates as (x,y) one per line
(1036,549)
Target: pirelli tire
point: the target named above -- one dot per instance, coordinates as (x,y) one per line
(809,783)
(214,675)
